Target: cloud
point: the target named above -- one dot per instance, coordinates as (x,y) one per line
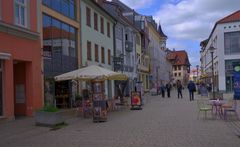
(193,19)
(138,4)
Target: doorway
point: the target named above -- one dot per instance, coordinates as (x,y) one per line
(19,69)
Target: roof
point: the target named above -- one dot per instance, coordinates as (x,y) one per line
(178,57)
(161,32)
(230,18)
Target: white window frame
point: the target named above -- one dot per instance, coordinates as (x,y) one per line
(24,5)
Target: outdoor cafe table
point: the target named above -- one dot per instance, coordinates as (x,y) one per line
(217,106)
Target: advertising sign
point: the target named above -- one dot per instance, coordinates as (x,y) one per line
(236,77)
(136,98)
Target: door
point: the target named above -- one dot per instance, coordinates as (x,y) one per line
(229,83)
(1,88)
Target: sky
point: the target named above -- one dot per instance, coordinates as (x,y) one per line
(186,22)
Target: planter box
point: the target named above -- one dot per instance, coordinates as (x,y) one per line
(48,118)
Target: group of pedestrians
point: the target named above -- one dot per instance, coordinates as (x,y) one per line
(191,88)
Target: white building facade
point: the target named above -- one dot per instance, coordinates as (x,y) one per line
(225,38)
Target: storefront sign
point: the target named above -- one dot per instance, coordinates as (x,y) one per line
(237,82)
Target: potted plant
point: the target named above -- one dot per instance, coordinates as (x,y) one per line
(49,115)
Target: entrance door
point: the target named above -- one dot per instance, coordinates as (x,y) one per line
(20,88)
(1,88)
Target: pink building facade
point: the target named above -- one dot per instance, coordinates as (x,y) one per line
(20,58)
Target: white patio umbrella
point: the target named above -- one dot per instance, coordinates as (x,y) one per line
(90,73)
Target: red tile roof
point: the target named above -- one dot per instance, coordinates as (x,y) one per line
(181,57)
(230,18)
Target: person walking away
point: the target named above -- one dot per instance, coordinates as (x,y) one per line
(191,89)
(168,87)
(179,88)
(162,87)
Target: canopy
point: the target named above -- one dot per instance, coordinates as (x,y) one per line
(91,72)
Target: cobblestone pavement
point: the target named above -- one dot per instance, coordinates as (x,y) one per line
(168,122)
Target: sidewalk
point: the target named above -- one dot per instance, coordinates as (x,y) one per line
(168,122)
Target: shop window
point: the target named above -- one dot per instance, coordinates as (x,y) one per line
(89,50)
(20,10)
(88,16)
(103,55)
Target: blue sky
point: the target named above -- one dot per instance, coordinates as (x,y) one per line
(186,22)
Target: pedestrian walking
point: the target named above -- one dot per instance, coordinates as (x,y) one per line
(168,88)
(191,89)
(179,88)
(162,87)
(203,90)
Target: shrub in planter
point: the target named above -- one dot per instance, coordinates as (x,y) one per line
(48,116)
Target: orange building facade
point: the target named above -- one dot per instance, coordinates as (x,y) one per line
(20,58)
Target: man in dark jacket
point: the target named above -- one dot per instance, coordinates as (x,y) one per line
(191,89)
(168,87)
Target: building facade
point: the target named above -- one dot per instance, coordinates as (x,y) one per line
(61,48)
(97,39)
(124,58)
(160,67)
(180,66)
(20,58)
(224,38)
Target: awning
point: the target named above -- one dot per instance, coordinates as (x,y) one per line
(5,56)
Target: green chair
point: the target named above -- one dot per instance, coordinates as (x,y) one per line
(204,107)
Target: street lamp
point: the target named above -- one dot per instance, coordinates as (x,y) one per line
(211,49)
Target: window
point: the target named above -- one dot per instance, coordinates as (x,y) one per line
(103,55)
(95,21)
(179,67)
(175,74)
(89,52)
(175,68)
(20,9)
(59,46)
(109,56)
(65,7)
(102,25)
(96,53)
(232,43)
(179,74)
(108,29)
(88,16)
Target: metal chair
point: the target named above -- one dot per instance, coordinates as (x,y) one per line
(233,109)
(203,107)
